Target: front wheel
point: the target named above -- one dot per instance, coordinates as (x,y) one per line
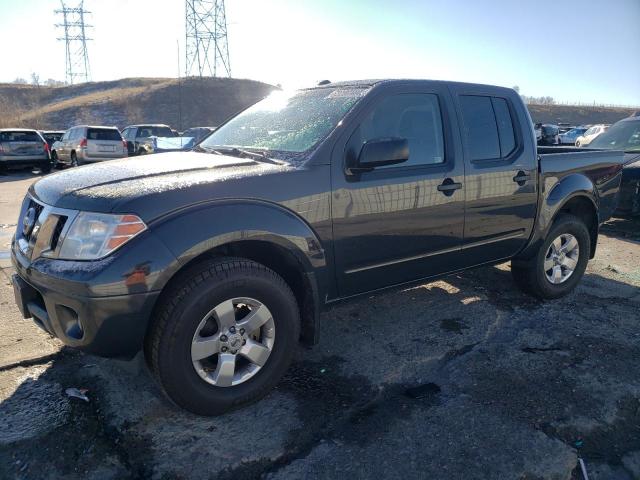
(45,167)
(560,262)
(224,335)
(54,160)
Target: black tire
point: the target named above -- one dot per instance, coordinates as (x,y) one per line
(74,160)
(45,167)
(54,160)
(142,151)
(530,276)
(196,292)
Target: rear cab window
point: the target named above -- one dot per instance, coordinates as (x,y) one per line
(104,134)
(19,137)
(144,132)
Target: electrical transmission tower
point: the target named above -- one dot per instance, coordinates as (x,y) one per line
(207,51)
(75,38)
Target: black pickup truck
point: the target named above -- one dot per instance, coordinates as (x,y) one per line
(217,262)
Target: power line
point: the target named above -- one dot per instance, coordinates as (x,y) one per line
(75,38)
(206,48)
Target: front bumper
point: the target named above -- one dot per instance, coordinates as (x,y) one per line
(104,326)
(102,307)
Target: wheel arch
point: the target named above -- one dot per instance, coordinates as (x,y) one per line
(576,195)
(276,238)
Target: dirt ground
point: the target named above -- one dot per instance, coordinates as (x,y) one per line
(462,378)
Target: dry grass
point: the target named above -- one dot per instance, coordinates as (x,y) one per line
(192,102)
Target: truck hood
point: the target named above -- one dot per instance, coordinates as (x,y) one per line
(133,184)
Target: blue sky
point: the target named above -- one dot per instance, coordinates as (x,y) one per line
(573,51)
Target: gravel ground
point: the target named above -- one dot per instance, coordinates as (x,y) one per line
(465,377)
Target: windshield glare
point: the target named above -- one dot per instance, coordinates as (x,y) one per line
(287,121)
(624,135)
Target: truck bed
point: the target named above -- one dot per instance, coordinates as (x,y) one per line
(602,168)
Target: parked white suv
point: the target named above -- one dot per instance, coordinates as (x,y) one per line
(86,144)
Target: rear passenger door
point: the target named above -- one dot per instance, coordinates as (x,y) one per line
(500,173)
(63,149)
(400,222)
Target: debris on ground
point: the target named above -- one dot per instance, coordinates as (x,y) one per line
(77,393)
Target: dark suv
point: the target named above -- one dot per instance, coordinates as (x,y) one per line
(550,135)
(138,137)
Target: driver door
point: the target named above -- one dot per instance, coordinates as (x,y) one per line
(401,222)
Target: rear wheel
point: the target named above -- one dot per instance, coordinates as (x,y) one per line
(45,167)
(560,262)
(74,160)
(223,336)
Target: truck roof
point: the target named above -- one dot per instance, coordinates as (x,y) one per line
(93,126)
(148,125)
(402,81)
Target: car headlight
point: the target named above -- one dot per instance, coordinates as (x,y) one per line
(95,235)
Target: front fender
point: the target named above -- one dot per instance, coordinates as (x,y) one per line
(191,232)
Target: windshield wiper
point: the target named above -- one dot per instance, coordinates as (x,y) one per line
(200,149)
(237,152)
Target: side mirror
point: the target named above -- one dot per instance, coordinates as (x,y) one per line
(380,152)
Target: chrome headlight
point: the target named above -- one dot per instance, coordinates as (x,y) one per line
(95,235)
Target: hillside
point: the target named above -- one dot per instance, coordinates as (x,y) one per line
(577,115)
(192,102)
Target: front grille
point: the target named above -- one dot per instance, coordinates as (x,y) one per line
(55,237)
(38,209)
(49,227)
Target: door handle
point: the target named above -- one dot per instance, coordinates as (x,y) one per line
(448,187)
(521,178)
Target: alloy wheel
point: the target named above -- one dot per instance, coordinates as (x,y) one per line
(561,259)
(233,342)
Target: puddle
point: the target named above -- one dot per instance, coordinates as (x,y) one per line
(455,325)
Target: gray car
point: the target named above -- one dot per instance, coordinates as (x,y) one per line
(23,148)
(88,144)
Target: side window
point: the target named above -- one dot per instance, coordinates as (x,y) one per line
(480,127)
(125,133)
(488,127)
(506,131)
(415,117)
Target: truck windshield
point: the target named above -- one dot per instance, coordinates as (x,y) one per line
(624,135)
(287,121)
